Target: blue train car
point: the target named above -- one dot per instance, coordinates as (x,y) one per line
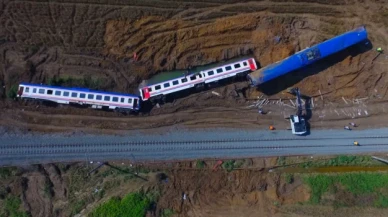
(308,56)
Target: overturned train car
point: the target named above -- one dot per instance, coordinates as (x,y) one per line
(308,56)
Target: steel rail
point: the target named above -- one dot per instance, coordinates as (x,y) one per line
(59,149)
(143,143)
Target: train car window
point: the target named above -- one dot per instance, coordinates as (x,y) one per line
(184,80)
(219,70)
(236,66)
(57,93)
(98,97)
(130,100)
(157,87)
(106,98)
(166,84)
(150,89)
(82,95)
(41,91)
(65,93)
(175,82)
(27,90)
(90,96)
(245,63)
(228,68)
(115,99)
(122,100)
(49,92)
(193,78)
(34,90)
(74,94)
(210,73)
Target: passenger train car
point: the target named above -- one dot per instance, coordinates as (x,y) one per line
(157,89)
(80,96)
(308,56)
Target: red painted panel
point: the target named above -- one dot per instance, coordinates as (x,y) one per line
(252,64)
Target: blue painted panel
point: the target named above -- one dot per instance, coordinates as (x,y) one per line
(308,56)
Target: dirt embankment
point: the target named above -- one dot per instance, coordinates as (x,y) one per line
(92,45)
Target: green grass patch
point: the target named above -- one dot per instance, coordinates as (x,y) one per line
(12,207)
(342,160)
(356,183)
(132,205)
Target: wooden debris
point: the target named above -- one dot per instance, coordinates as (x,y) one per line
(320,94)
(289,105)
(312,102)
(345,100)
(215,93)
(292,103)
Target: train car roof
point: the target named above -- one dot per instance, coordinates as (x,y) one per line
(171,75)
(78,89)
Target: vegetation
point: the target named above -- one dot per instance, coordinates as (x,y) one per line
(356,183)
(289,178)
(12,207)
(132,205)
(342,160)
(77,206)
(167,213)
(281,161)
(86,81)
(228,165)
(12,92)
(200,164)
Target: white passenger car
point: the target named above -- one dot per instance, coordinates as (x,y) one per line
(80,96)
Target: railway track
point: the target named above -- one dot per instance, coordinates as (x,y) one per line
(153,146)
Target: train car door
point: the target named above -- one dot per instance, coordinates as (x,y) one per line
(20,92)
(146,93)
(135,103)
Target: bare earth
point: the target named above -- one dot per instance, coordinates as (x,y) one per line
(92,42)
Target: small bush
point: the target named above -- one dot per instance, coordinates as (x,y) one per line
(281,161)
(200,164)
(167,213)
(289,178)
(12,92)
(228,165)
(77,207)
(6,172)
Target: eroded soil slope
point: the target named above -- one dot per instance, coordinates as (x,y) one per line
(91,44)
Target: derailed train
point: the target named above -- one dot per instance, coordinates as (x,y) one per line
(157,88)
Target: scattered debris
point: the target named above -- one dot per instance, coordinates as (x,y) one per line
(293,104)
(215,93)
(320,94)
(353,124)
(157,105)
(347,128)
(345,100)
(312,102)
